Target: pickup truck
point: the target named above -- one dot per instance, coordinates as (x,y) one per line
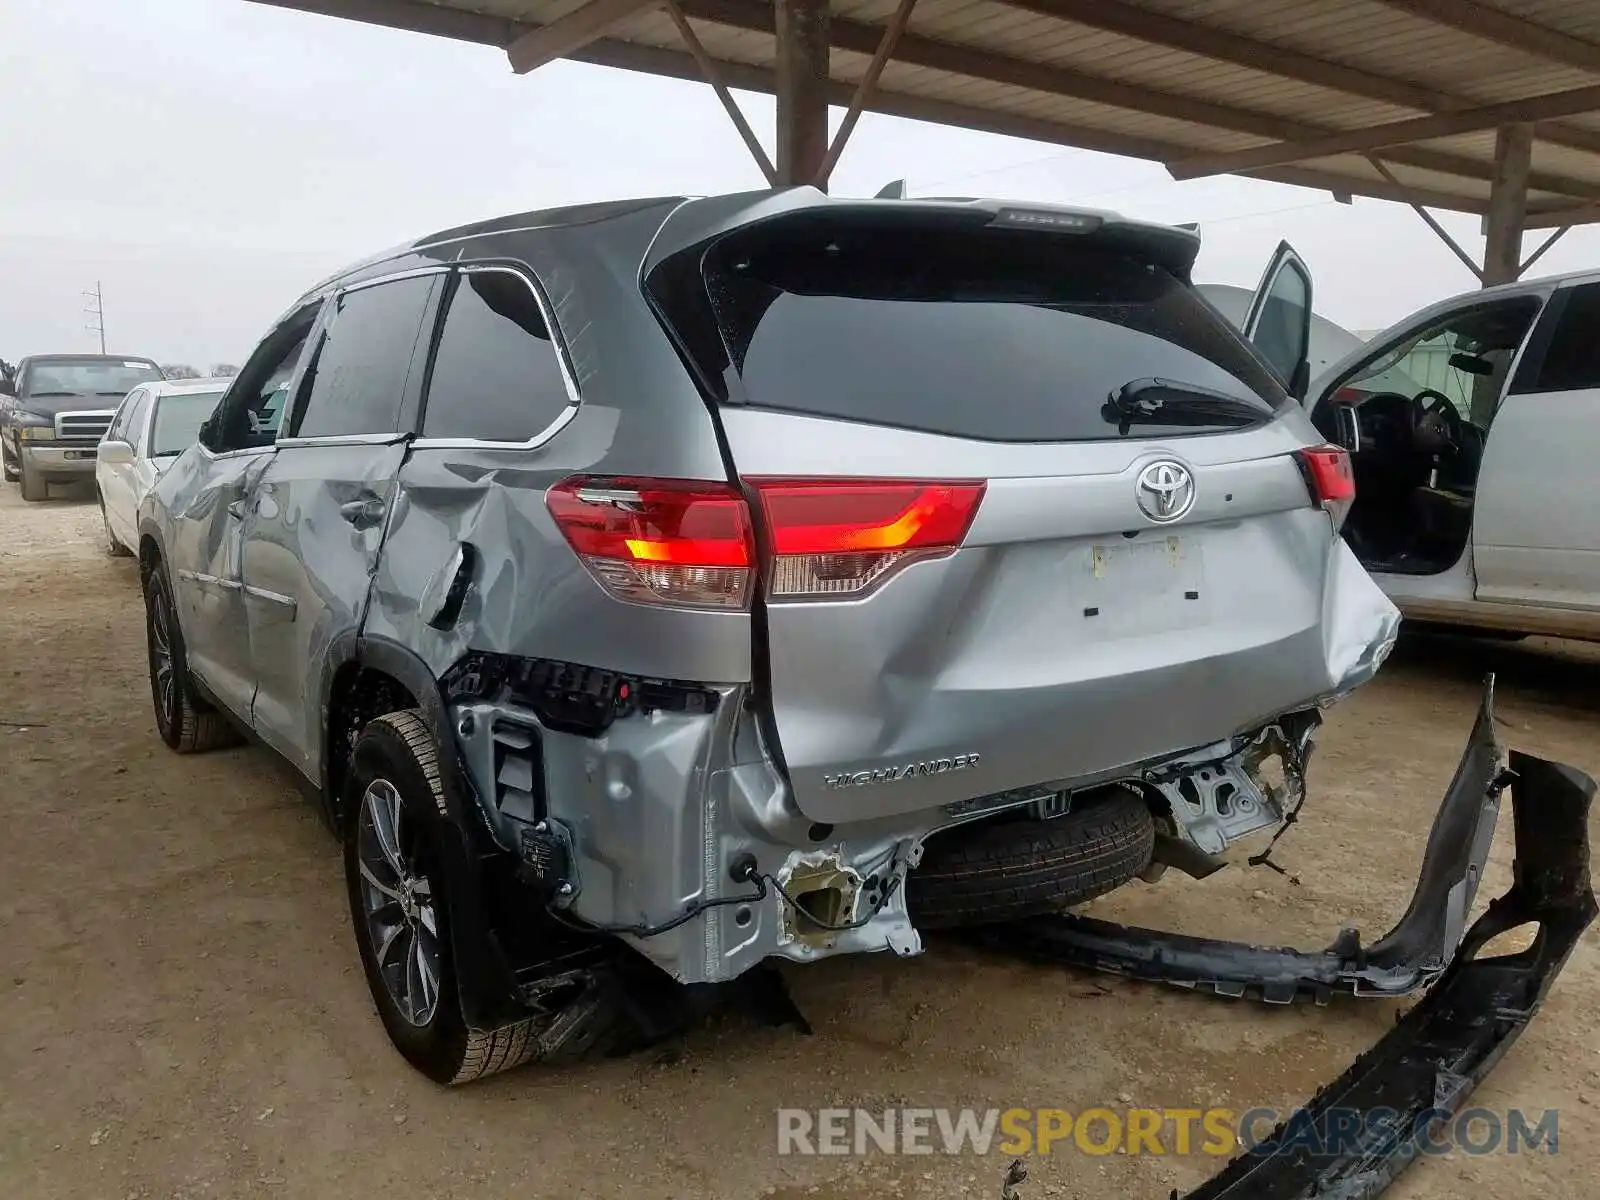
(55,410)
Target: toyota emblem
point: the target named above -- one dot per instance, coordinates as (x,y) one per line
(1165,490)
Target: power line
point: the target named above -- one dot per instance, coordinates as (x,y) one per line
(1269,212)
(95,314)
(1016,166)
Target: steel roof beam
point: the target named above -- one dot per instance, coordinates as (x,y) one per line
(1397,133)
(1504,29)
(1220,45)
(632,56)
(577,29)
(917,50)
(433,19)
(1555,218)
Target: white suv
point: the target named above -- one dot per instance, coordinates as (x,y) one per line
(1472,427)
(154,424)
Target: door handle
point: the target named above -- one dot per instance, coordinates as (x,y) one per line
(363,513)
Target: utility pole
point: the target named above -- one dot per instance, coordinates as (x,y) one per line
(95,313)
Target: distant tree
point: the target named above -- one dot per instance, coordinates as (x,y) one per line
(224,371)
(179,371)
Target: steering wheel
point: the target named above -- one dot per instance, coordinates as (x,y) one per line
(1435,423)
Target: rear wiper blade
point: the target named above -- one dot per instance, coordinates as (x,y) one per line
(1171,402)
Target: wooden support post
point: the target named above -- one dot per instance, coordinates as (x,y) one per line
(864,90)
(1508,204)
(1429,220)
(802,33)
(1539,253)
(713,74)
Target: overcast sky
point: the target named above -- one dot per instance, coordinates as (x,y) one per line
(208,159)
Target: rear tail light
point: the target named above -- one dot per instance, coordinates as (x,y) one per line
(1330,478)
(1328,472)
(840,538)
(655,541)
(690,544)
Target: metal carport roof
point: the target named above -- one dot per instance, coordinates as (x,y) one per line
(1477,106)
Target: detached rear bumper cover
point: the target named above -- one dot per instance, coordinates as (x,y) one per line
(1423,1070)
(1407,958)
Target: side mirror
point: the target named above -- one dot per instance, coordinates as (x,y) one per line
(7,388)
(114,454)
(207,436)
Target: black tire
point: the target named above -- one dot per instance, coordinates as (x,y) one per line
(398,750)
(114,548)
(34,486)
(1007,870)
(7,471)
(185,722)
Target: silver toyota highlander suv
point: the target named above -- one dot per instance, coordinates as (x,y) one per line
(648,590)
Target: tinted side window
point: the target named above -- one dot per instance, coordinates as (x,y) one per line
(497,374)
(1280,332)
(357,382)
(250,413)
(1572,359)
(137,417)
(121,423)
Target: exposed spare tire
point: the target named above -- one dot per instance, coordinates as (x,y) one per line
(1006,869)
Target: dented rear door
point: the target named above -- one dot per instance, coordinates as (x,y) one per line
(315,518)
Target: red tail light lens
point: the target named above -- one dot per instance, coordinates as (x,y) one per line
(659,541)
(839,538)
(1329,474)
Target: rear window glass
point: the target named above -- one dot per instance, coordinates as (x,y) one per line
(91,378)
(992,334)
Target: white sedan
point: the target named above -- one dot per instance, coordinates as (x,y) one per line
(154,424)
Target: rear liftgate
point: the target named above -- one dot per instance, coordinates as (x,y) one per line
(1420,1073)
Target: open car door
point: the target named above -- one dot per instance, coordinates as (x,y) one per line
(1279,321)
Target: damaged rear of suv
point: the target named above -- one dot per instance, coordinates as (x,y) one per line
(651,590)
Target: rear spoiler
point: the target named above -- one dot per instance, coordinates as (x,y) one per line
(1419,1075)
(697,223)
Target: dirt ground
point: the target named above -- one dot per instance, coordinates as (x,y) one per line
(184,1014)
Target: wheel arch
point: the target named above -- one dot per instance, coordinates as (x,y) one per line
(489,997)
(363,679)
(151,551)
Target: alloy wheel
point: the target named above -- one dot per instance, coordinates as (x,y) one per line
(398,904)
(162,674)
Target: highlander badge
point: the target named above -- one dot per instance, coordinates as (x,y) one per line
(916,770)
